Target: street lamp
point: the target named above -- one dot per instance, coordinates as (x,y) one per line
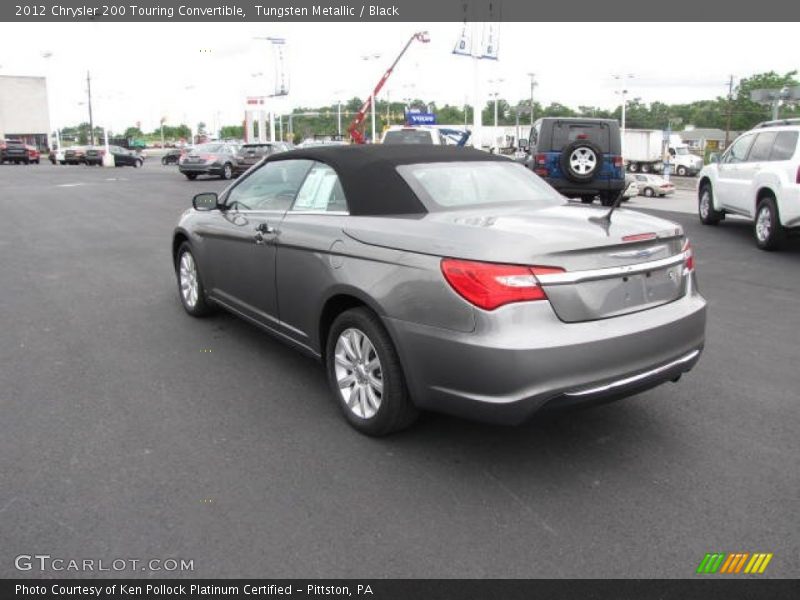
(368,57)
(338,94)
(623,92)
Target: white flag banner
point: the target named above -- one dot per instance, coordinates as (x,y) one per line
(490,41)
(464,44)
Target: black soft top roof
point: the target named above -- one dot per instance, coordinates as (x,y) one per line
(369,176)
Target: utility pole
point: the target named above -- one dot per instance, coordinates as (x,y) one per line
(730,108)
(533,85)
(89,93)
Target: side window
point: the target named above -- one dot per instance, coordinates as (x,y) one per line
(641,178)
(738,152)
(321,191)
(762,146)
(785,145)
(272,187)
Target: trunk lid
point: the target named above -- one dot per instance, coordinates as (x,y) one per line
(610,270)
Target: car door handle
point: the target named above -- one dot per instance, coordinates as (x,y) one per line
(265,228)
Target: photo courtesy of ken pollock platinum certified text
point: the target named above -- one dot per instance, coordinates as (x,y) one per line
(162,589)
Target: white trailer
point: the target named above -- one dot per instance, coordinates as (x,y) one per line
(646,152)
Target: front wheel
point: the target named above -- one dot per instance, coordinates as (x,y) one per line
(137,164)
(768,230)
(227,171)
(190,283)
(648,192)
(191,176)
(682,171)
(365,375)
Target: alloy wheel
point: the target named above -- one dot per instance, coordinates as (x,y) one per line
(705,204)
(764,224)
(583,161)
(188,277)
(358,373)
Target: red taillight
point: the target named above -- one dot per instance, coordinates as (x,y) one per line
(688,261)
(489,285)
(540,165)
(618,161)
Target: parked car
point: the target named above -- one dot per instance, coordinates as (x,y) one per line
(173,156)
(407,134)
(631,188)
(14,151)
(463,284)
(34,156)
(757,177)
(250,154)
(122,157)
(75,155)
(209,159)
(579,157)
(653,185)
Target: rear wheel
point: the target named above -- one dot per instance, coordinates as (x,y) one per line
(227,171)
(705,207)
(682,171)
(607,200)
(137,164)
(365,376)
(649,192)
(646,168)
(768,230)
(191,176)
(587,199)
(633,167)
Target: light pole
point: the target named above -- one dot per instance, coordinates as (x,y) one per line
(338,94)
(533,85)
(372,97)
(623,92)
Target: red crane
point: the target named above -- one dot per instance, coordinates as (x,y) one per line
(354,131)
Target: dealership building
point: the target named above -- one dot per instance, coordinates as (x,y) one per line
(24,113)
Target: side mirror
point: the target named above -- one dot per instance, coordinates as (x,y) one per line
(205,201)
(523,144)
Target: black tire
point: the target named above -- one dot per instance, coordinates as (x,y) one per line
(648,191)
(705,206)
(137,164)
(682,171)
(591,167)
(227,171)
(395,411)
(587,199)
(164,161)
(607,200)
(646,168)
(191,176)
(770,234)
(633,167)
(201,307)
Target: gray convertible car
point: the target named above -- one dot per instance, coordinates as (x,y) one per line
(447,279)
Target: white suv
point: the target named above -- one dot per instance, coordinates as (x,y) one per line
(405,134)
(758,177)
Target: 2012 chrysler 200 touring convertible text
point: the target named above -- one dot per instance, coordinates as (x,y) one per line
(443,278)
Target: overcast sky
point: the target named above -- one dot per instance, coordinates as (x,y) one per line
(142,71)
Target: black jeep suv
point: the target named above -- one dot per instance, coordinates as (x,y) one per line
(580,158)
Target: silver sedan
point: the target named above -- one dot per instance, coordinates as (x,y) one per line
(446,279)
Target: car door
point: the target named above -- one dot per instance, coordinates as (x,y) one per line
(758,155)
(310,251)
(240,240)
(728,186)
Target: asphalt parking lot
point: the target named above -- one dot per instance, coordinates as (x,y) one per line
(130,430)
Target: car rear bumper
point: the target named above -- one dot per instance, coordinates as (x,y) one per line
(789,205)
(201,169)
(595,188)
(504,372)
